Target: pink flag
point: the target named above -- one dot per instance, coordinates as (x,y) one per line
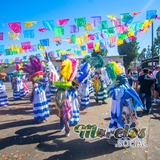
(90,45)
(57,40)
(42,29)
(15,27)
(116,22)
(1,61)
(112,39)
(1,36)
(26,45)
(69,40)
(158,17)
(132,38)
(91,36)
(62,22)
(121,29)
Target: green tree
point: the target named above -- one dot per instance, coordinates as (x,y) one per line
(148,52)
(142,55)
(157,42)
(131,52)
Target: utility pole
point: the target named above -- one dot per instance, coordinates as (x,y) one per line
(152,44)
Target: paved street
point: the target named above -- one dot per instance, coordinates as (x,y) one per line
(21,138)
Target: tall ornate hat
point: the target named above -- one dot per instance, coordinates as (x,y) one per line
(34,68)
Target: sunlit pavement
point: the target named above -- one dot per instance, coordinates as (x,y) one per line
(21,138)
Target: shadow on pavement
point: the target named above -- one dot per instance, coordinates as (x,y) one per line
(16,124)
(156,112)
(19,103)
(17,110)
(77,149)
(31,135)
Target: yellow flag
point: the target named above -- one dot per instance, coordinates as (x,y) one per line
(89,27)
(80,40)
(84,52)
(86,37)
(44,54)
(40,47)
(14,47)
(112,16)
(21,51)
(29,24)
(63,52)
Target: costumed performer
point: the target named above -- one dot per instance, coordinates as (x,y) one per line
(125,102)
(100,80)
(72,95)
(88,59)
(82,78)
(66,97)
(19,69)
(26,88)
(40,103)
(38,97)
(3,95)
(17,86)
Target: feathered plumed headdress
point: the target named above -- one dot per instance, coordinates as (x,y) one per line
(34,68)
(69,69)
(97,61)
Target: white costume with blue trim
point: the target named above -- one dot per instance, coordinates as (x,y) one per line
(3,95)
(18,88)
(53,89)
(72,95)
(48,94)
(84,94)
(40,104)
(124,105)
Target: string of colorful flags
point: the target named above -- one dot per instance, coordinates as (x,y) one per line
(97,33)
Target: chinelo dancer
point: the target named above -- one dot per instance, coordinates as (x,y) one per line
(88,59)
(17,86)
(100,80)
(3,95)
(82,78)
(66,98)
(23,76)
(38,97)
(125,102)
(40,103)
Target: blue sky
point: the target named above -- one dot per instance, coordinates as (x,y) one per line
(37,10)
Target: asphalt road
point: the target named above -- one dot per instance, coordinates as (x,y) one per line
(21,138)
